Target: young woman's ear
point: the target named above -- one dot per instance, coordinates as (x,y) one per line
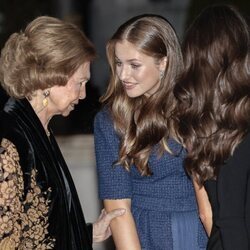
(163,64)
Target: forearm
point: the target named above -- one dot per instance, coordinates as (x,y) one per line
(204,206)
(207,223)
(125,234)
(123,228)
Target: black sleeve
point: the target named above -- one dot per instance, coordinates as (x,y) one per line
(90,231)
(232,196)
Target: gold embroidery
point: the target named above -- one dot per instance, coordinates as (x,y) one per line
(7,244)
(23,221)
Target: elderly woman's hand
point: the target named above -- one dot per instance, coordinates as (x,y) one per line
(101,229)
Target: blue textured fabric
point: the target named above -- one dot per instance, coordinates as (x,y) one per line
(156,200)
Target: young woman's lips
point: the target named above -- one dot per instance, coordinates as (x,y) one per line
(128,85)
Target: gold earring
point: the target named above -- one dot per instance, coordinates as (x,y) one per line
(45,100)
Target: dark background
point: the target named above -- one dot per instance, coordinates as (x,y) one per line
(16,14)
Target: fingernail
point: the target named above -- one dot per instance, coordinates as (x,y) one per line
(123,210)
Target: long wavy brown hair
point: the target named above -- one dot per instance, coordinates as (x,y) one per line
(144,122)
(213,93)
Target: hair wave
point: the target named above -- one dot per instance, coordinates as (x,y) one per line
(213,93)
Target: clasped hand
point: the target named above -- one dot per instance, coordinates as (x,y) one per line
(101,228)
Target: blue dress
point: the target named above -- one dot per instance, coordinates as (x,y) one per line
(163,205)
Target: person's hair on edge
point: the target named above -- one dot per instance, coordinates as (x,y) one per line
(213,92)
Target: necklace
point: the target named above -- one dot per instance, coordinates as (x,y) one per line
(47,133)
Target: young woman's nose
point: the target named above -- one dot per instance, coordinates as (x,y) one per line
(124,73)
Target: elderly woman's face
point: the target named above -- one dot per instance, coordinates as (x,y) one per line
(63,99)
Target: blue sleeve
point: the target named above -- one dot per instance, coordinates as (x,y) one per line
(114,181)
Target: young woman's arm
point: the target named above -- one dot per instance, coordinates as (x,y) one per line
(205,210)
(114,182)
(123,228)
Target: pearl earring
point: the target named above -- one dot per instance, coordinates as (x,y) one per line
(161,74)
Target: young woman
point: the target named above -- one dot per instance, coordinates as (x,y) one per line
(213,111)
(139,162)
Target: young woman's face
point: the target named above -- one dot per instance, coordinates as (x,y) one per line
(138,72)
(62,99)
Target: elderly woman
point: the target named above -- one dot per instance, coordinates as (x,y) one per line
(44,70)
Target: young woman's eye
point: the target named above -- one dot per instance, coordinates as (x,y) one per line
(135,66)
(118,63)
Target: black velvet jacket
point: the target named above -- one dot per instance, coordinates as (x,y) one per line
(41,206)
